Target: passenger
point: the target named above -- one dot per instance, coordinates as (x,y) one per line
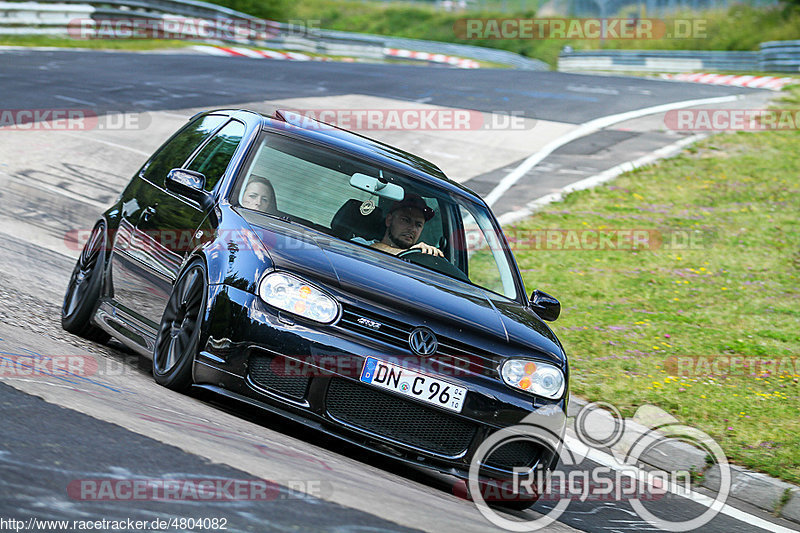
(404,225)
(259,195)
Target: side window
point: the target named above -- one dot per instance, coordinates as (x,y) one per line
(213,159)
(179,148)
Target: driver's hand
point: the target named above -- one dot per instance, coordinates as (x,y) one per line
(428,249)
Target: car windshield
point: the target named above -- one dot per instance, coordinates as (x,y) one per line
(350,199)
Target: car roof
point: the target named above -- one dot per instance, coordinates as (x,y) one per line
(333,136)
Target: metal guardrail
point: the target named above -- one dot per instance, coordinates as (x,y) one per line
(32,18)
(658,60)
(780,56)
(480,53)
(774,56)
(266,33)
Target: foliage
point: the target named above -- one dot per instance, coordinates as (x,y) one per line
(724,28)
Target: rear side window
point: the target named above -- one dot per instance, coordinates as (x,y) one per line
(213,159)
(178,149)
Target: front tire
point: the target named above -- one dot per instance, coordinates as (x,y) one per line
(84,287)
(178,338)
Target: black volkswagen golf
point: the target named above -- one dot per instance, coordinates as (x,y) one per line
(331,279)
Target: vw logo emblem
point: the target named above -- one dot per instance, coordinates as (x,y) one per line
(423,341)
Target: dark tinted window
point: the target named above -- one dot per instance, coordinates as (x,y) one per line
(213,159)
(176,151)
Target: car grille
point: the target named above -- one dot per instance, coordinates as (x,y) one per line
(519,453)
(398,419)
(451,356)
(262,374)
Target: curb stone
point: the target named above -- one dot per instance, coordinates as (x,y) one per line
(754,488)
(758,489)
(791,510)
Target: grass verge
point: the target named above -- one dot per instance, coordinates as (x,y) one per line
(95,44)
(703,322)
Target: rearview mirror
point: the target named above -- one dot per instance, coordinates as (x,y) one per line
(187,183)
(544,305)
(378,186)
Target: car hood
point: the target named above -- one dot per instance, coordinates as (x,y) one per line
(390,283)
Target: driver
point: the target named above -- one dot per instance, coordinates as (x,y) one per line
(404,225)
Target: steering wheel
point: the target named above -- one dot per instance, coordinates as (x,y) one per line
(434,262)
(410,251)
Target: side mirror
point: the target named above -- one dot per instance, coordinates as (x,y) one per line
(188,183)
(544,305)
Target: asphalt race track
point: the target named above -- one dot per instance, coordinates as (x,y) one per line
(115,423)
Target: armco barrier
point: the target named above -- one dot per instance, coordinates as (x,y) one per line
(284,36)
(659,60)
(780,56)
(480,53)
(31,18)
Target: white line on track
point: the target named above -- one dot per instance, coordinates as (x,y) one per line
(597,179)
(185,117)
(74,100)
(109,143)
(587,128)
(607,460)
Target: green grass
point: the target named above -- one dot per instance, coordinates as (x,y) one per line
(628,314)
(99,44)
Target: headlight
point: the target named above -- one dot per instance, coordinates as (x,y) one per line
(296,296)
(535,377)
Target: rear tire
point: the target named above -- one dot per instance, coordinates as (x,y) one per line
(178,338)
(84,287)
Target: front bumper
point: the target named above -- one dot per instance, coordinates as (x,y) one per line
(310,373)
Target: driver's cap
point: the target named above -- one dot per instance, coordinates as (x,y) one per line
(413,200)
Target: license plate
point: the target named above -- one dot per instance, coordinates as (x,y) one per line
(408,383)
